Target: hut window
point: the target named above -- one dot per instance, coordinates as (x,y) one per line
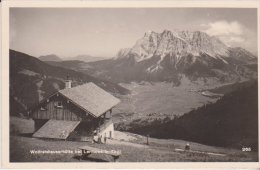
(59,105)
(43,108)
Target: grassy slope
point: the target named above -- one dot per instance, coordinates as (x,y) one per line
(225,89)
(160,150)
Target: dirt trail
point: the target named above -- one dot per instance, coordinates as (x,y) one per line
(208,153)
(117,142)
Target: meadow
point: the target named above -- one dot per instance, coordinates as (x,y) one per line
(158,150)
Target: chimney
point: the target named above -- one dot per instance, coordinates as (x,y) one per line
(68,83)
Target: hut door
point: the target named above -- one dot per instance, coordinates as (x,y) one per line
(59,108)
(110,134)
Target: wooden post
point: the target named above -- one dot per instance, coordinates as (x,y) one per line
(147,139)
(115,158)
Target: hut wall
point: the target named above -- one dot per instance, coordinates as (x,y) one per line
(108,131)
(49,110)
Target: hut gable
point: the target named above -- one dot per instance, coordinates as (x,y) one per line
(91,98)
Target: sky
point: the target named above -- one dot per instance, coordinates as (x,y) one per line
(102,32)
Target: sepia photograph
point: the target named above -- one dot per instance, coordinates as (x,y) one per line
(133,84)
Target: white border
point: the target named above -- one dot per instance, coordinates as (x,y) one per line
(101,4)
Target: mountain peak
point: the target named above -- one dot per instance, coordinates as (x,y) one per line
(166,31)
(148,33)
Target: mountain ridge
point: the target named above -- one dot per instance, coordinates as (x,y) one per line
(31,80)
(84,57)
(50,57)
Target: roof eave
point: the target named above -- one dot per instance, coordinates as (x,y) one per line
(109,108)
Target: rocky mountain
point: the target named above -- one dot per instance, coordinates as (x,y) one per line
(51,57)
(31,80)
(170,55)
(175,44)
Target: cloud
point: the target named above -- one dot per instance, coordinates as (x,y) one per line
(231,33)
(225,28)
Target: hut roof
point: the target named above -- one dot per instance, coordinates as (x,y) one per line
(91,98)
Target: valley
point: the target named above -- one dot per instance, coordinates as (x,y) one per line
(159,100)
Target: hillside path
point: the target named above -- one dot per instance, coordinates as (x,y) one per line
(117,142)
